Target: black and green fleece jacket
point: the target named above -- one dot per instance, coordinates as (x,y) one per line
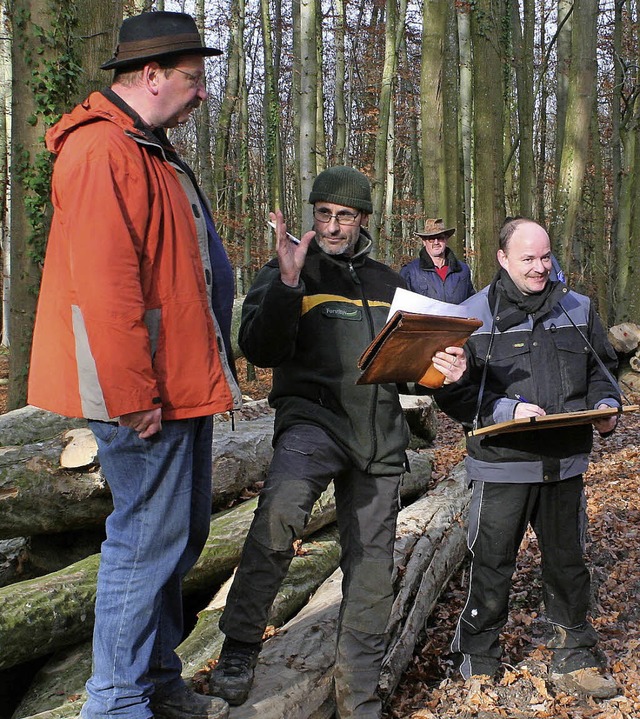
(312,335)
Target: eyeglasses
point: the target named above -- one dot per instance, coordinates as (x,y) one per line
(196,79)
(343,217)
(437,238)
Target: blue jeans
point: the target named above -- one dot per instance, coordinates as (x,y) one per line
(161,491)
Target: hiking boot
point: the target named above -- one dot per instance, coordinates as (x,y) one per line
(588,681)
(232,676)
(182,703)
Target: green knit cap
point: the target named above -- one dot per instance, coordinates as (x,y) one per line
(343,186)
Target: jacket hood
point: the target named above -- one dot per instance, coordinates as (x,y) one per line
(95,107)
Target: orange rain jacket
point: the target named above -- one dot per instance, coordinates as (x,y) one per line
(124,320)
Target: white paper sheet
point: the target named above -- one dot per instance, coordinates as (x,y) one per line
(414,302)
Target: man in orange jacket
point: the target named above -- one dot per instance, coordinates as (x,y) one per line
(134,324)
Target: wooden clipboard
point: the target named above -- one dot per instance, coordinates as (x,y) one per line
(403,349)
(550,421)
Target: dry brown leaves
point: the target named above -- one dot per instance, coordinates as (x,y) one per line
(430,688)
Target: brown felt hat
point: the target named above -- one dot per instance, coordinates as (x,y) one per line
(435,227)
(155,35)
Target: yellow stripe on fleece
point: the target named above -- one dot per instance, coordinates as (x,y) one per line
(311,301)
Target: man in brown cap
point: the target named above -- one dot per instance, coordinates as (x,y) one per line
(437,272)
(134,322)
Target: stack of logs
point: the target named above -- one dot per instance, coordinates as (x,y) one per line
(625,339)
(52,490)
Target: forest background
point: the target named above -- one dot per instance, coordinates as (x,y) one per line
(469,111)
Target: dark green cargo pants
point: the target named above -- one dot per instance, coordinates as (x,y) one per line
(305,461)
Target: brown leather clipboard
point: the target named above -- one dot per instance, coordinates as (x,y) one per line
(403,349)
(550,421)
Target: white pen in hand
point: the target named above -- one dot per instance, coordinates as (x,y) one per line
(293,239)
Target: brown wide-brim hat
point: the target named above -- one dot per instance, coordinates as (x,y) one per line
(433,227)
(155,35)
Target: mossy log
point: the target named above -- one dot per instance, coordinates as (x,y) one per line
(63,678)
(294,673)
(39,496)
(48,613)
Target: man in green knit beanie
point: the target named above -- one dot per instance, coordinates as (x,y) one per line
(309,315)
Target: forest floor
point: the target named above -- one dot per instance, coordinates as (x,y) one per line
(430,689)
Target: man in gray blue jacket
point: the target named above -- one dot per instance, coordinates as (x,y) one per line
(541,350)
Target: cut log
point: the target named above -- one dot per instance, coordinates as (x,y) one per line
(319,558)
(421,414)
(28,425)
(14,555)
(64,676)
(41,615)
(38,496)
(629,380)
(66,673)
(624,337)
(634,363)
(432,552)
(81,450)
(294,673)
(26,558)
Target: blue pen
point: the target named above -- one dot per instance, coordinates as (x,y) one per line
(520,398)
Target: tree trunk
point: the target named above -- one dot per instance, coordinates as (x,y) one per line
(321,138)
(434,36)
(273,151)
(453,208)
(599,257)
(308,112)
(340,80)
(488,83)
(523,57)
(463,14)
(30,171)
(565,10)
(581,91)
(384,113)
(5,133)
(98,23)
(220,198)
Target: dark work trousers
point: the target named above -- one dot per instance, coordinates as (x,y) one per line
(305,460)
(498,517)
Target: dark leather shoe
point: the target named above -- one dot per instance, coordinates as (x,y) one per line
(182,703)
(232,676)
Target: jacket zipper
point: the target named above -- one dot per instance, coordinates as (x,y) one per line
(372,408)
